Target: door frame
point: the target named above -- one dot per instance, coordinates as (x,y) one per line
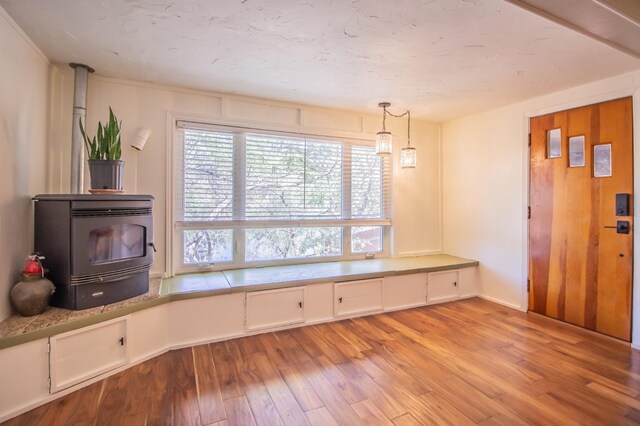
(548,105)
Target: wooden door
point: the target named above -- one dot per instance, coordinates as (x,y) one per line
(580,266)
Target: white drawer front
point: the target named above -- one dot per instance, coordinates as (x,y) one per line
(443,286)
(356,297)
(272,308)
(79,355)
(405,291)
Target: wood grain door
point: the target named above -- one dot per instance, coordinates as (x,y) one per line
(580,265)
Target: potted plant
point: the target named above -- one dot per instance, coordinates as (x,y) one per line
(104,151)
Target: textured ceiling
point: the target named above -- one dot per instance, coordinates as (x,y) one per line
(441,58)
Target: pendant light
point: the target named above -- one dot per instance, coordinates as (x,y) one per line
(384,139)
(408,153)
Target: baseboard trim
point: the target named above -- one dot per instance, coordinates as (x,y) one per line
(501,302)
(469,296)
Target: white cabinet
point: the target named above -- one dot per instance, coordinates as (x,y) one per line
(443,286)
(81,354)
(357,297)
(404,291)
(273,308)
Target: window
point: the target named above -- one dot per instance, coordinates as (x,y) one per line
(249,198)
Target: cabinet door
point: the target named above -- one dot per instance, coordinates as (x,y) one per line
(81,354)
(273,308)
(357,297)
(443,286)
(404,291)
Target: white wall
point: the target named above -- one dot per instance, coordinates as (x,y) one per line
(485,186)
(23,125)
(483,198)
(416,202)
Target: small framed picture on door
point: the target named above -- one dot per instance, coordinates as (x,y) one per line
(554,143)
(602,160)
(576,151)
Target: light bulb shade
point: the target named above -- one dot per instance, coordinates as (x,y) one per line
(142,135)
(408,157)
(383,143)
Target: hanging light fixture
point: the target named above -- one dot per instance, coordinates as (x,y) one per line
(384,139)
(408,153)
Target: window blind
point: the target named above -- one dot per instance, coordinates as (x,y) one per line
(207,189)
(292,178)
(240,178)
(368,183)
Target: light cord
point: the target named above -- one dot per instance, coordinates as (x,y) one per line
(384,118)
(408,114)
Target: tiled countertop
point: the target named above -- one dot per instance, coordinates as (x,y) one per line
(288,276)
(16,329)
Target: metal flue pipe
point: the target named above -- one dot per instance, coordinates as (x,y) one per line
(79,113)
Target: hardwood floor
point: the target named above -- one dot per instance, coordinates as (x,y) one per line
(460,363)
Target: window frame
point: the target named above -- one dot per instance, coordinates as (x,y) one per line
(238,224)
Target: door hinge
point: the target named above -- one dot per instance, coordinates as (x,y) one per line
(528,285)
(49,347)
(529,212)
(49,382)
(529,139)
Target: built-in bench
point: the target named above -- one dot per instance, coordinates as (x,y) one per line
(16,329)
(71,349)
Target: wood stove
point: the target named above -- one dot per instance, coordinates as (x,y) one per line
(98,248)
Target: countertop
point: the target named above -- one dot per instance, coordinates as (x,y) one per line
(17,330)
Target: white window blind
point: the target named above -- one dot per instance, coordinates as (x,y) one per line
(292,178)
(286,196)
(368,184)
(208,176)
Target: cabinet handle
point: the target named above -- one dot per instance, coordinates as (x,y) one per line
(122,341)
(300,304)
(340,299)
(455,284)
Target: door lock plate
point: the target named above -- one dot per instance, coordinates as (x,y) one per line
(622,227)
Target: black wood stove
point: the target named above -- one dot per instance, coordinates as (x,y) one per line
(98,248)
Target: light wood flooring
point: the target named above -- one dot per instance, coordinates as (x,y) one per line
(460,363)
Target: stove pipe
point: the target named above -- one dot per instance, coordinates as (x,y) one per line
(79,112)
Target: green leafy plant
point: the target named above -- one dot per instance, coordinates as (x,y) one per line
(105,145)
